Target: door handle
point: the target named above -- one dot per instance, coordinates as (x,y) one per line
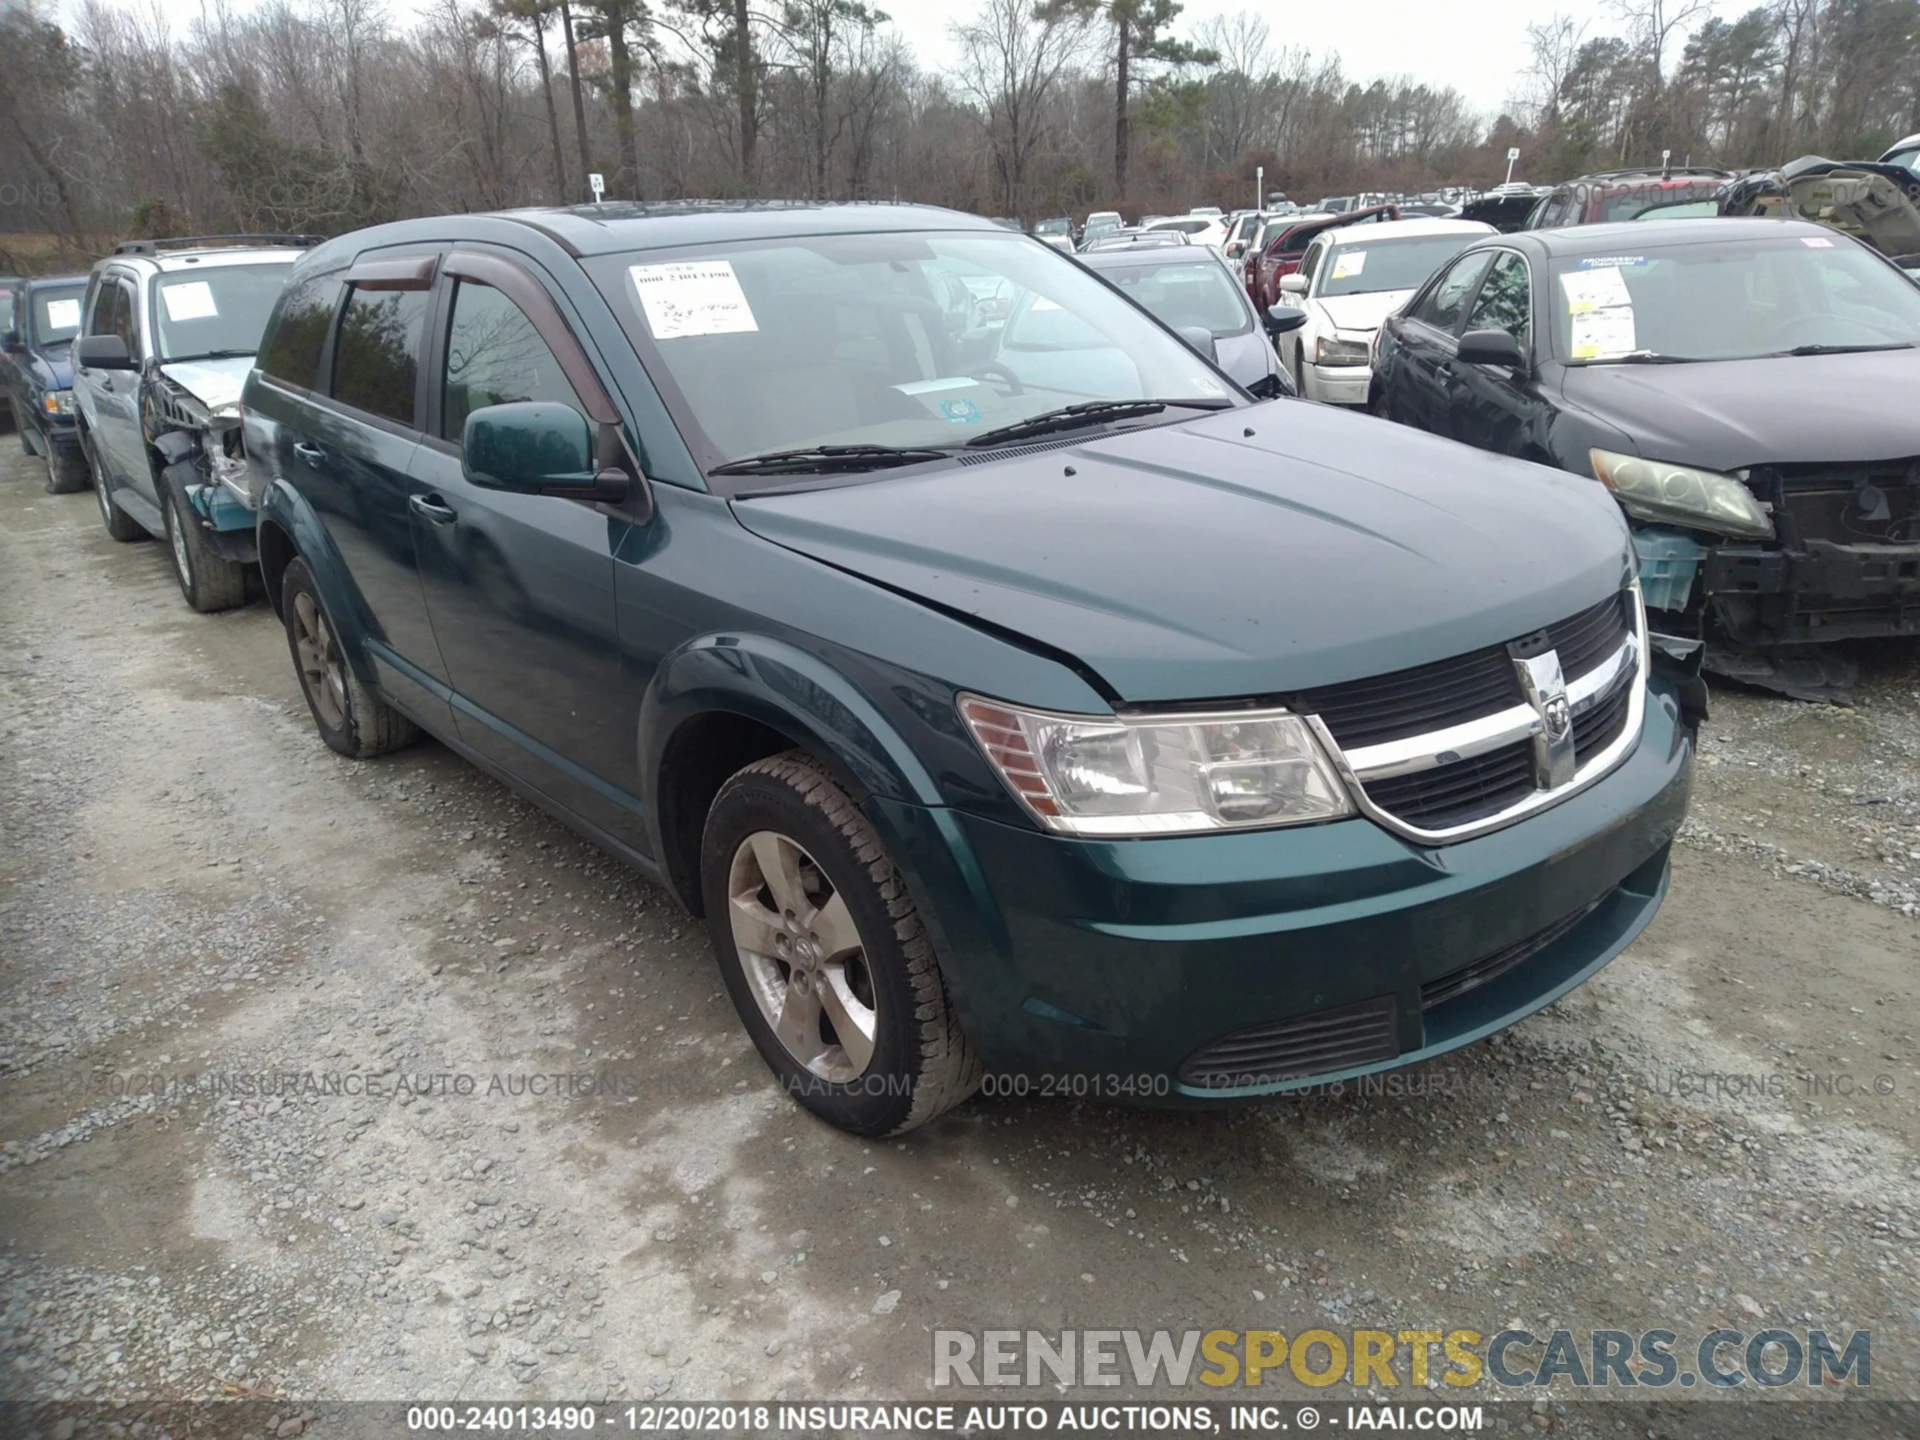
(432,509)
(312,454)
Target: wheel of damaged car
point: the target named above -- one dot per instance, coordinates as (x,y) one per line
(120,525)
(825,955)
(350,717)
(208,580)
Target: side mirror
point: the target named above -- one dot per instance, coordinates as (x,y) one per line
(101,352)
(1491,347)
(534,447)
(1284,319)
(1236,248)
(1200,338)
(12,343)
(1294,284)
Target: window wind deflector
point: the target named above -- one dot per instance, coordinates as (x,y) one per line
(413,273)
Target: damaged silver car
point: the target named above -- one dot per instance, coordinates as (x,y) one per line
(169,334)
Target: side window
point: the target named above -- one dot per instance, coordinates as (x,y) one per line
(1504,302)
(121,320)
(6,309)
(293,353)
(495,357)
(1440,307)
(100,315)
(1310,262)
(377,357)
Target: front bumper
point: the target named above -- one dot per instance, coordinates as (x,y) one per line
(1819,590)
(1125,964)
(1336,384)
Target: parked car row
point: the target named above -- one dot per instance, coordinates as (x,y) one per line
(951,633)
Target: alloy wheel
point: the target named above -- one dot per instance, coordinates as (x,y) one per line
(803,957)
(322,671)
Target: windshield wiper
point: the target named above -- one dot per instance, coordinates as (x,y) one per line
(1090,412)
(1842,349)
(1642,357)
(827,460)
(209,355)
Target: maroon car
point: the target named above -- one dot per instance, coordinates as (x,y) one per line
(1287,244)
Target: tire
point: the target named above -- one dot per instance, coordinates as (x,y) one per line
(350,717)
(120,525)
(209,581)
(66,470)
(875,971)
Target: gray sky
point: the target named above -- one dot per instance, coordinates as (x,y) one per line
(1477,46)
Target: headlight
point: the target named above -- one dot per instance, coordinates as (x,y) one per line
(1655,490)
(1114,775)
(58,402)
(1340,352)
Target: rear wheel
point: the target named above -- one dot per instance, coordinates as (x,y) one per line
(350,717)
(208,580)
(120,525)
(825,955)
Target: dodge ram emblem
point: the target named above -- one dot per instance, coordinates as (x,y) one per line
(1546,690)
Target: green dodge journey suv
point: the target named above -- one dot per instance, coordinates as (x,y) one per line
(1010,692)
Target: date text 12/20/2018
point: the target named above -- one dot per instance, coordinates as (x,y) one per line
(1136,1418)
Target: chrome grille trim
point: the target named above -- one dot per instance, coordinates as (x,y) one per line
(1416,753)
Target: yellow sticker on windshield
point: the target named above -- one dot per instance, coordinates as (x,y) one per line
(1594,290)
(1349,263)
(1602,334)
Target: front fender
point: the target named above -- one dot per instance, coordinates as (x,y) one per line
(285,510)
(787,689)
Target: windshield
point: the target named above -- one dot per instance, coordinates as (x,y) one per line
(1909,158)
(56,313)
(1730,301)
(1635,200)
(198,313)
(1184,293)
(1363,269)
(881,339)
(1053,227)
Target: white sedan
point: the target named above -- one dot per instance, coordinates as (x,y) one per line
(1350,280)
(1199,229)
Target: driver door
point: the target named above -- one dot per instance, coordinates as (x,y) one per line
(1498,409)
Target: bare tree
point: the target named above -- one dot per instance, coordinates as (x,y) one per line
(1013,61)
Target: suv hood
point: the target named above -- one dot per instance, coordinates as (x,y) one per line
(53,364)
(212,382)
(1228,556)
(1728,414)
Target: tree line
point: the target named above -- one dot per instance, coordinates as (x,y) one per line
(325,115)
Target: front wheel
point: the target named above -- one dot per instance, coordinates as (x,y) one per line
(208,580)
(825,955)
(66,469)
(120,525)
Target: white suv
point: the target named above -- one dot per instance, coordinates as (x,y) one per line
(168,335)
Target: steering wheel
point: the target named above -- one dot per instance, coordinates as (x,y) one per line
(993,370)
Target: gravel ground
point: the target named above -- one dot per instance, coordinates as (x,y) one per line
(191,884)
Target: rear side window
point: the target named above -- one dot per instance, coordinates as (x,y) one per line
(293,352)
(495,357)
(1440,307)
(376,360)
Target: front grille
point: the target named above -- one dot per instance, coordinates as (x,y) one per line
(1447,692)
(1460,793)
(1314,1044)
(1862,504)
(1437,992)
(1599,725)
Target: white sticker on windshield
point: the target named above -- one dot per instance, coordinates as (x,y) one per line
(1349,263)
(191,301)
(1816,242)
(930,387)
(1594,290)
(63,314)
(1041,302)
(699,297)
(1603,334)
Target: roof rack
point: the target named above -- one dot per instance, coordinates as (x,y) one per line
(207,242)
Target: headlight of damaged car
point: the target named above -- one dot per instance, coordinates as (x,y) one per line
(1340,352)
(1655,490)
(58,402)
(1159,775)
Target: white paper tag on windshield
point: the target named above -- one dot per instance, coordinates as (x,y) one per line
(1594,290)
(696,297)
(1602,334)
(1349,263)
(191,301)
(63,314)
